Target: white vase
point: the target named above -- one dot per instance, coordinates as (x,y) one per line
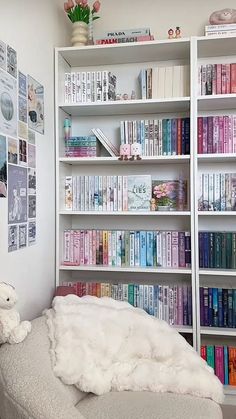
(79,34)
(163,208)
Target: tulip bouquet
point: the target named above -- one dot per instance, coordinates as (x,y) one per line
(80,11)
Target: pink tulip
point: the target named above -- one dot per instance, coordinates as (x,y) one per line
(84,2)
(66,7)
(70,4)
(96,6)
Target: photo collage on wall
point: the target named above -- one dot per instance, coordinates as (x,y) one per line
(21,115)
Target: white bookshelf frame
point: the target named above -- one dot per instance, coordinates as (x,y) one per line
(194,50)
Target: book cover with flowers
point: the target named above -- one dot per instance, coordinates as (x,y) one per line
(170,195)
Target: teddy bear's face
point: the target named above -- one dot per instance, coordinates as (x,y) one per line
(8,297)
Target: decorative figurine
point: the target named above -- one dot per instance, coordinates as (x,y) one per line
(133,95)
(170,33)
(125,96)
(136,151)
(118,96)
(124,152)
(223,17)
(153,206)
(177,32)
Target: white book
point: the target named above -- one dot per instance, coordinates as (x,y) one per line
(68,193)
(166,302)
(83,86)
(107,144)
(108,193)
(93,86)
(115,193)
(125,292)
(168,81)
(186,80)
(118,247)
(105,86)
(99,86)
(161,83)
(73,87)
(205,191)
(217,192)
(211,192)
(74,193)
(131,248)
(88,87)
(159,248)
(155,72)
(140,298)
(78,88)
(168,245)
(164,249)
(176,91)
(160,302)
(109,247)
(119,193)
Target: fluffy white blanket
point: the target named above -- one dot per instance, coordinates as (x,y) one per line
(100,345)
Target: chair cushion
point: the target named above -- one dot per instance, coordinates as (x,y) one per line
(143,405)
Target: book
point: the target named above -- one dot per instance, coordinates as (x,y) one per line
(107,144)
(171,194)
(139,193)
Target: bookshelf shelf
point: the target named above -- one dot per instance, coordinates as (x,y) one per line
(183,329)
(215,46)
(128,213)
(145,270)
(217,102)
(218,272)
(216,158)
(114,160)
(230,390)
(128,107)
(218,331)
(217,213)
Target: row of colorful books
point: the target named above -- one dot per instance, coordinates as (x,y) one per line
(171,249)
(217,134)
(215,79)
(124,193)
(217,307)
(217,249)
(90,86)
(125,35)
(164,82)
(170,303)
(158,137)
(82,146)
(223,361)
(217,192)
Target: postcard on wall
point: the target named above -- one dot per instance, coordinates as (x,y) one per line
(22,109)
(17,194)
(12,238)
(35,105)
(22,130)
(22,236)
(31,233)
(3,61)
(3,167)
(31,181)
(32,206)
(8,105)
(31,155)
(31,137)
(11,61)
(22,84)
(139,193)
(22,152)
(12,150)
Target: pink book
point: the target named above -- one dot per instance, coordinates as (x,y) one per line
(200,135)
(230,134)
(72,247)
(76,247)
(205,128)
(180,319)
(174,249)
(234,133)
(233,78)
(228,84)
(78,289)
(214,80)
(215,134)
(223,79)
(63,290)
(90,234)
(221,134)
(226,134)
(94,239)
(81,247)
(86,247)
(218,79)
(210,134)
(219,363)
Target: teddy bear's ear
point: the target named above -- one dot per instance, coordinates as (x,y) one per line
(7,284)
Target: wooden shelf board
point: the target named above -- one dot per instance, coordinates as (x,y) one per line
(127,107)
(135,52)
(124,269)
(114,160)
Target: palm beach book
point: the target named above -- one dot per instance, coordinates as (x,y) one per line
(106,143)
(139,192)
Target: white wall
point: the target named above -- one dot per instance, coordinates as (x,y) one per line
(33,28)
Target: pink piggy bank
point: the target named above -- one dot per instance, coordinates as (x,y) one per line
(136,151)
(124,152)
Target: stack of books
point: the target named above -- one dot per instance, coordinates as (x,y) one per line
(217,134)
(164,82)
(216,79)
(217,250)
(218,307)
(125,35)
(221,30)
(81,147)
(217,192)
(223,361)
(167,249)
(158,137)
(170,303)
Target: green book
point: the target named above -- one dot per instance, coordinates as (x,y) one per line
(217,250)
(131,294)
(211,356)
(233,250)
(229,250)
(223,251)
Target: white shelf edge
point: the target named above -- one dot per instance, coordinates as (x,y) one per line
(128,213)
(218,331)
(125,102)
(216,213)
(101,268)
(114,160)
(182,329)
(223,272)
(216,156)
(230,390)
(218,97)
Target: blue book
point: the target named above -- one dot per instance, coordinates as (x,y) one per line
(151,300)
(215,307)
(142,136)
(143,83)
(155,300)
(201,248)
(150,248)
(186,149)
(164,137)
(206,250)
(230,307)
(190,306)
(206,306)
(168,136)
(174,136)
(143,248)
(220,308)
(210,307)
(145,298)
(234,308)
(136,297)
(226,365)
(137,248)
(225,306)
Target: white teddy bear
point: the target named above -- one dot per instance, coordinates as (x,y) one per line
(12,330)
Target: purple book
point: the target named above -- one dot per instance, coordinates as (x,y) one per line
(219,363)
(205,307)
(210,135)
(204,137)
(180,305)
(201,306)
(181,249)
(185,305)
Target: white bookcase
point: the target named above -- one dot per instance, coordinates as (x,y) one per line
(126,60)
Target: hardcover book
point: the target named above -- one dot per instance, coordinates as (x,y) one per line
(139,193)
(170,194)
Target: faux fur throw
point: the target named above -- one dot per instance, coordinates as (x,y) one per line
(100,345)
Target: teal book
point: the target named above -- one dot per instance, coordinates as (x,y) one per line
(155,300)
(215,306)
(139,193)
(211,356)
(143,248)
(131,294)
(226,366)
(150,238)
(168,137)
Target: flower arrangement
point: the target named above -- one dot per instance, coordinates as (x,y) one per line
(80,11)
(164,193)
